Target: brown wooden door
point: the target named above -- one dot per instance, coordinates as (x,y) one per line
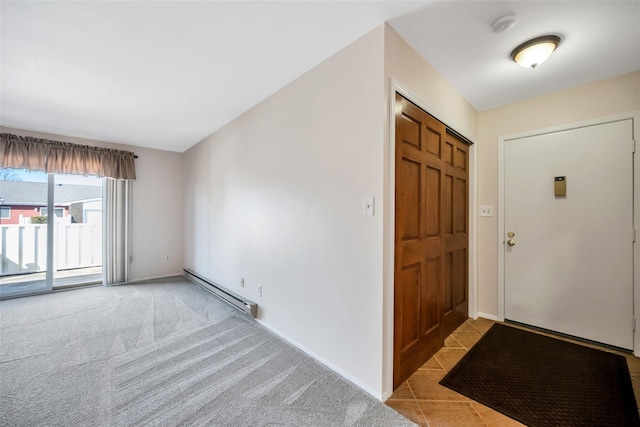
(456,238)
(430,237)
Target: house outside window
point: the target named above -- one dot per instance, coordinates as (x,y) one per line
(59,212)
(5,212)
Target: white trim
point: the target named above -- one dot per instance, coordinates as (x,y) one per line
(389,222)
(500,237)
(473,233)
(487,316)
(635,117)
(636,221)
(388,253)
(144,279)
(323,361)
(403,90)
(573,125)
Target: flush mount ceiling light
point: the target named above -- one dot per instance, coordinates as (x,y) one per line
(534,52)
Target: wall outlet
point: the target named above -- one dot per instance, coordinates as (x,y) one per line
(486,210)
(259,290)
(242,282)
(167,257)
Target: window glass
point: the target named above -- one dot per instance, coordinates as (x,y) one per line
(58,211)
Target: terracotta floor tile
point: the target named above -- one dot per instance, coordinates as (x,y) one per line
(452,341)
(494,418)
(403,392)
(450,414)
(481,324)
(467,339)
(424,401)
(433,364)
(424,385)
(448,357)
(466,327)
(410,409)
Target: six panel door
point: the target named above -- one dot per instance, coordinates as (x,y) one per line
(431,237)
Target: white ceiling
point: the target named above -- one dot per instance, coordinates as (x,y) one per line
(600,39)
(167,74)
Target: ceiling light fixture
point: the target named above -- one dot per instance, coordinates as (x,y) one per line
(534,52)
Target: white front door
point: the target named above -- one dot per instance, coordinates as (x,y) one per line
(570,268)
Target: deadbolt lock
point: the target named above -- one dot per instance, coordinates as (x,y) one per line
(511,234)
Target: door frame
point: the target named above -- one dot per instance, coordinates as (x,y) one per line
(633,115)
(396,86)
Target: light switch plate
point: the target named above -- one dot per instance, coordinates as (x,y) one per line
(368,206)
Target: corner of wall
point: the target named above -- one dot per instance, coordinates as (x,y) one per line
(276,197)
(408,73)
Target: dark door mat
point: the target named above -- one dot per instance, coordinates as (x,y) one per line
(543,381)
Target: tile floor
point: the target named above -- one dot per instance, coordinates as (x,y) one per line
(427,403)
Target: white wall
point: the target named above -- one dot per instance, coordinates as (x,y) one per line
(158,213)
(599,99)
(276,197)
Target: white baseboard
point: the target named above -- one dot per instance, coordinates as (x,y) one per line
(144,279)
(488,316)
(385,395)
(329,365)
(299,346)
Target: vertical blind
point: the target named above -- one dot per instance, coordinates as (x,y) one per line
(116,229)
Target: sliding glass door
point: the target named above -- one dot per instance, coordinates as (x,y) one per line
(77,237)
(24,233)
(51,231)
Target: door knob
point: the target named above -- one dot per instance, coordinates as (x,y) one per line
(511,242)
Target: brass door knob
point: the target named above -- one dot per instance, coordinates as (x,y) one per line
(511,242)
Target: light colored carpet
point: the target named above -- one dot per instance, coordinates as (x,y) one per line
(162,353)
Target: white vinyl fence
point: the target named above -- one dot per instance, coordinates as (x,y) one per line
(24,247)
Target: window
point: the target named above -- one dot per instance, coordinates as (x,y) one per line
(57,160)
(58,211)
(5,212)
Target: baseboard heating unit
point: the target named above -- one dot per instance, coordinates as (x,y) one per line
(237,301)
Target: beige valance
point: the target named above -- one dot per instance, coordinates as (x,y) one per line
(24,152)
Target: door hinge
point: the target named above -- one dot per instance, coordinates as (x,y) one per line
(633,146)
(634,235)
(634,324)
